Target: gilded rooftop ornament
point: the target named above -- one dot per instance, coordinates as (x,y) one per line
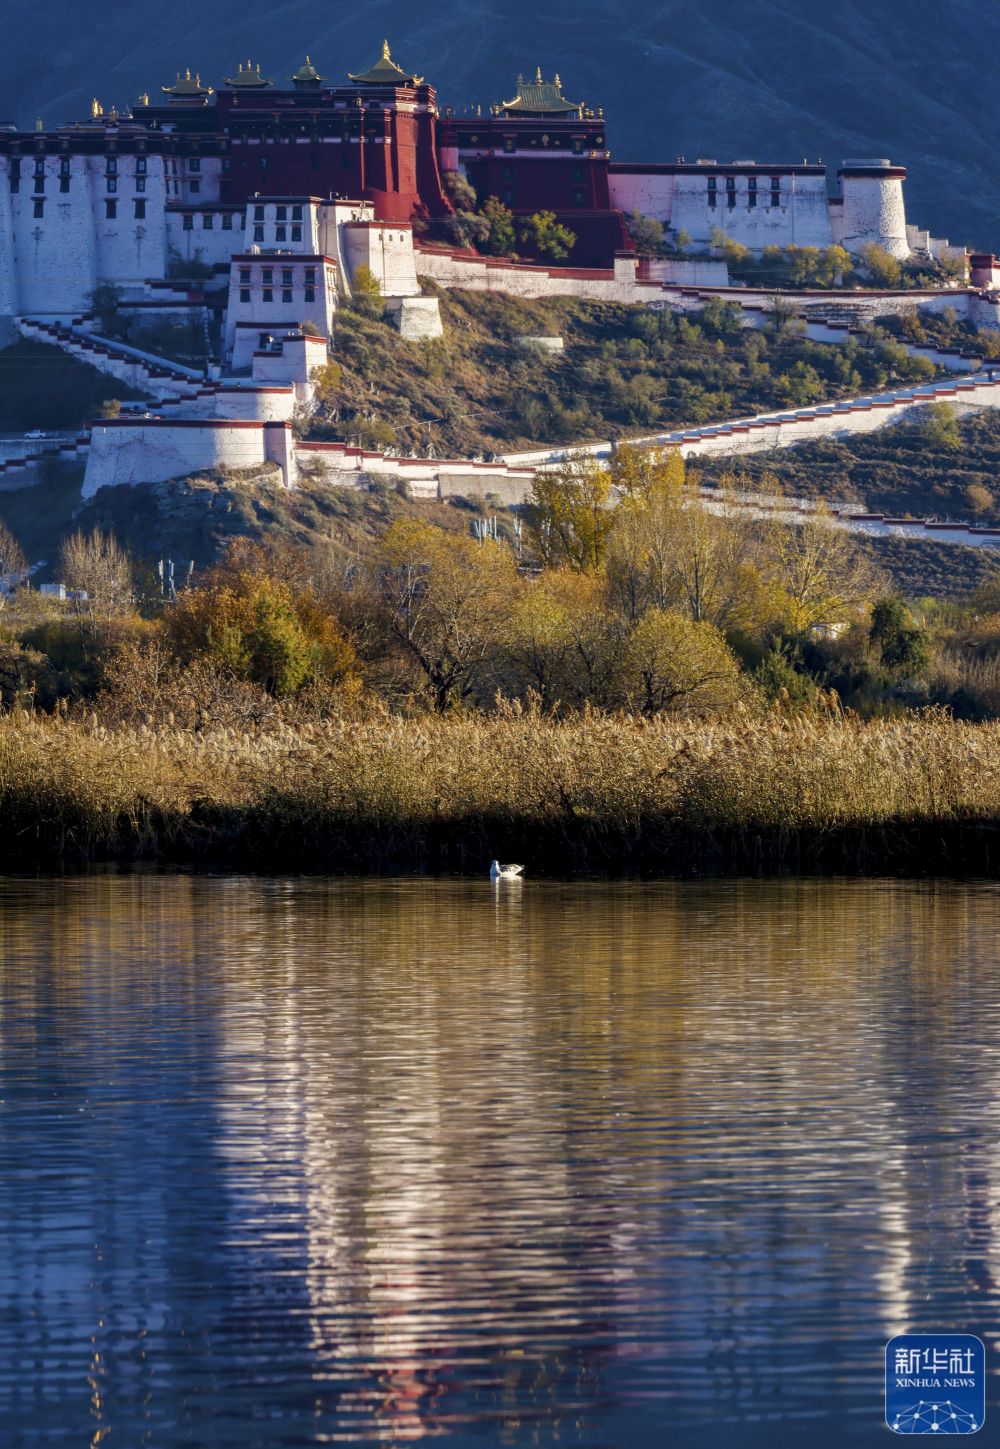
(184,88)
(385,72)
(307,77)
(539,98)
(248,78)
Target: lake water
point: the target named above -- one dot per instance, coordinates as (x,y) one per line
(303,1162)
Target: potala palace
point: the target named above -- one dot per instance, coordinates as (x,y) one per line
(275,194)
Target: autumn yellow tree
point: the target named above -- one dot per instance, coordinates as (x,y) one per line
(446,600)
(673,548)
(564,640)
(672,662)
(820,578)
(95,565)
(569,514)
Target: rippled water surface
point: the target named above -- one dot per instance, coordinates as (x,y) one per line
(306,1162)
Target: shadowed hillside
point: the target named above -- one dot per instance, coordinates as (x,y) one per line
(779,80)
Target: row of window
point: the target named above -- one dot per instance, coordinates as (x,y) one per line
(280,213)
(280,233)
(208,221)
(713,191)
(110,208)
(287,276)
(65,166)
(267,295)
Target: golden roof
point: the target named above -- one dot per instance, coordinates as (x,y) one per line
(540,98)
(186,88)
(307,75)
(248,78)
(385,72)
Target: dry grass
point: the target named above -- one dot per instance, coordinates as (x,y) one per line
(598,793)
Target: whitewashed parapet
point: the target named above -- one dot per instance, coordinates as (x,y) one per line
(764,432)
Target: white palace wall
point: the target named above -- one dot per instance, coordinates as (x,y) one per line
(154,450)
(802,217)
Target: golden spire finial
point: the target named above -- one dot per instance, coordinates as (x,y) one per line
(557,82)
(538,76)
(386,54)
(96,109)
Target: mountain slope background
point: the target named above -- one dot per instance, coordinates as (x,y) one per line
(777,80)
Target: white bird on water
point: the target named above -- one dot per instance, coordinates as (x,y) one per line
(505,872)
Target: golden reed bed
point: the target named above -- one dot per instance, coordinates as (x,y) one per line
(595,793)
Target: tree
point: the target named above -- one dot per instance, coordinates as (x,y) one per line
(640,555)
(367,290)
(800,385)
(500,238)
(939,426)
(675,663)
(732,251)
(446,600)
(465,227)
(96,566)
(105,300)
(563,641)
(783,318)
(546,236)
(882,266)
(820,576)
(672,549)
(647,234)
(569,515)
(902,645)
(259,627)
(461,192)
(326,381)
(835,264)
(13,563)
(721,319)
(979,498)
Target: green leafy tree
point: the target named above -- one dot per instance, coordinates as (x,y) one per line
(731,251)
(367,290)
(939,426)
(500,237)
(465,227)
(647,234)
(901,644)
(259,627)
(546,236)
(882,266)
(783,678)
(105,301)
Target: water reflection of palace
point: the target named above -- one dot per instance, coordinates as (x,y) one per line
(407,1155)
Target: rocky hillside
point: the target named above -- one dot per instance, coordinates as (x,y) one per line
(778,80)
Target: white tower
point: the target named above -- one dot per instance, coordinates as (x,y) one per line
(873,209)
